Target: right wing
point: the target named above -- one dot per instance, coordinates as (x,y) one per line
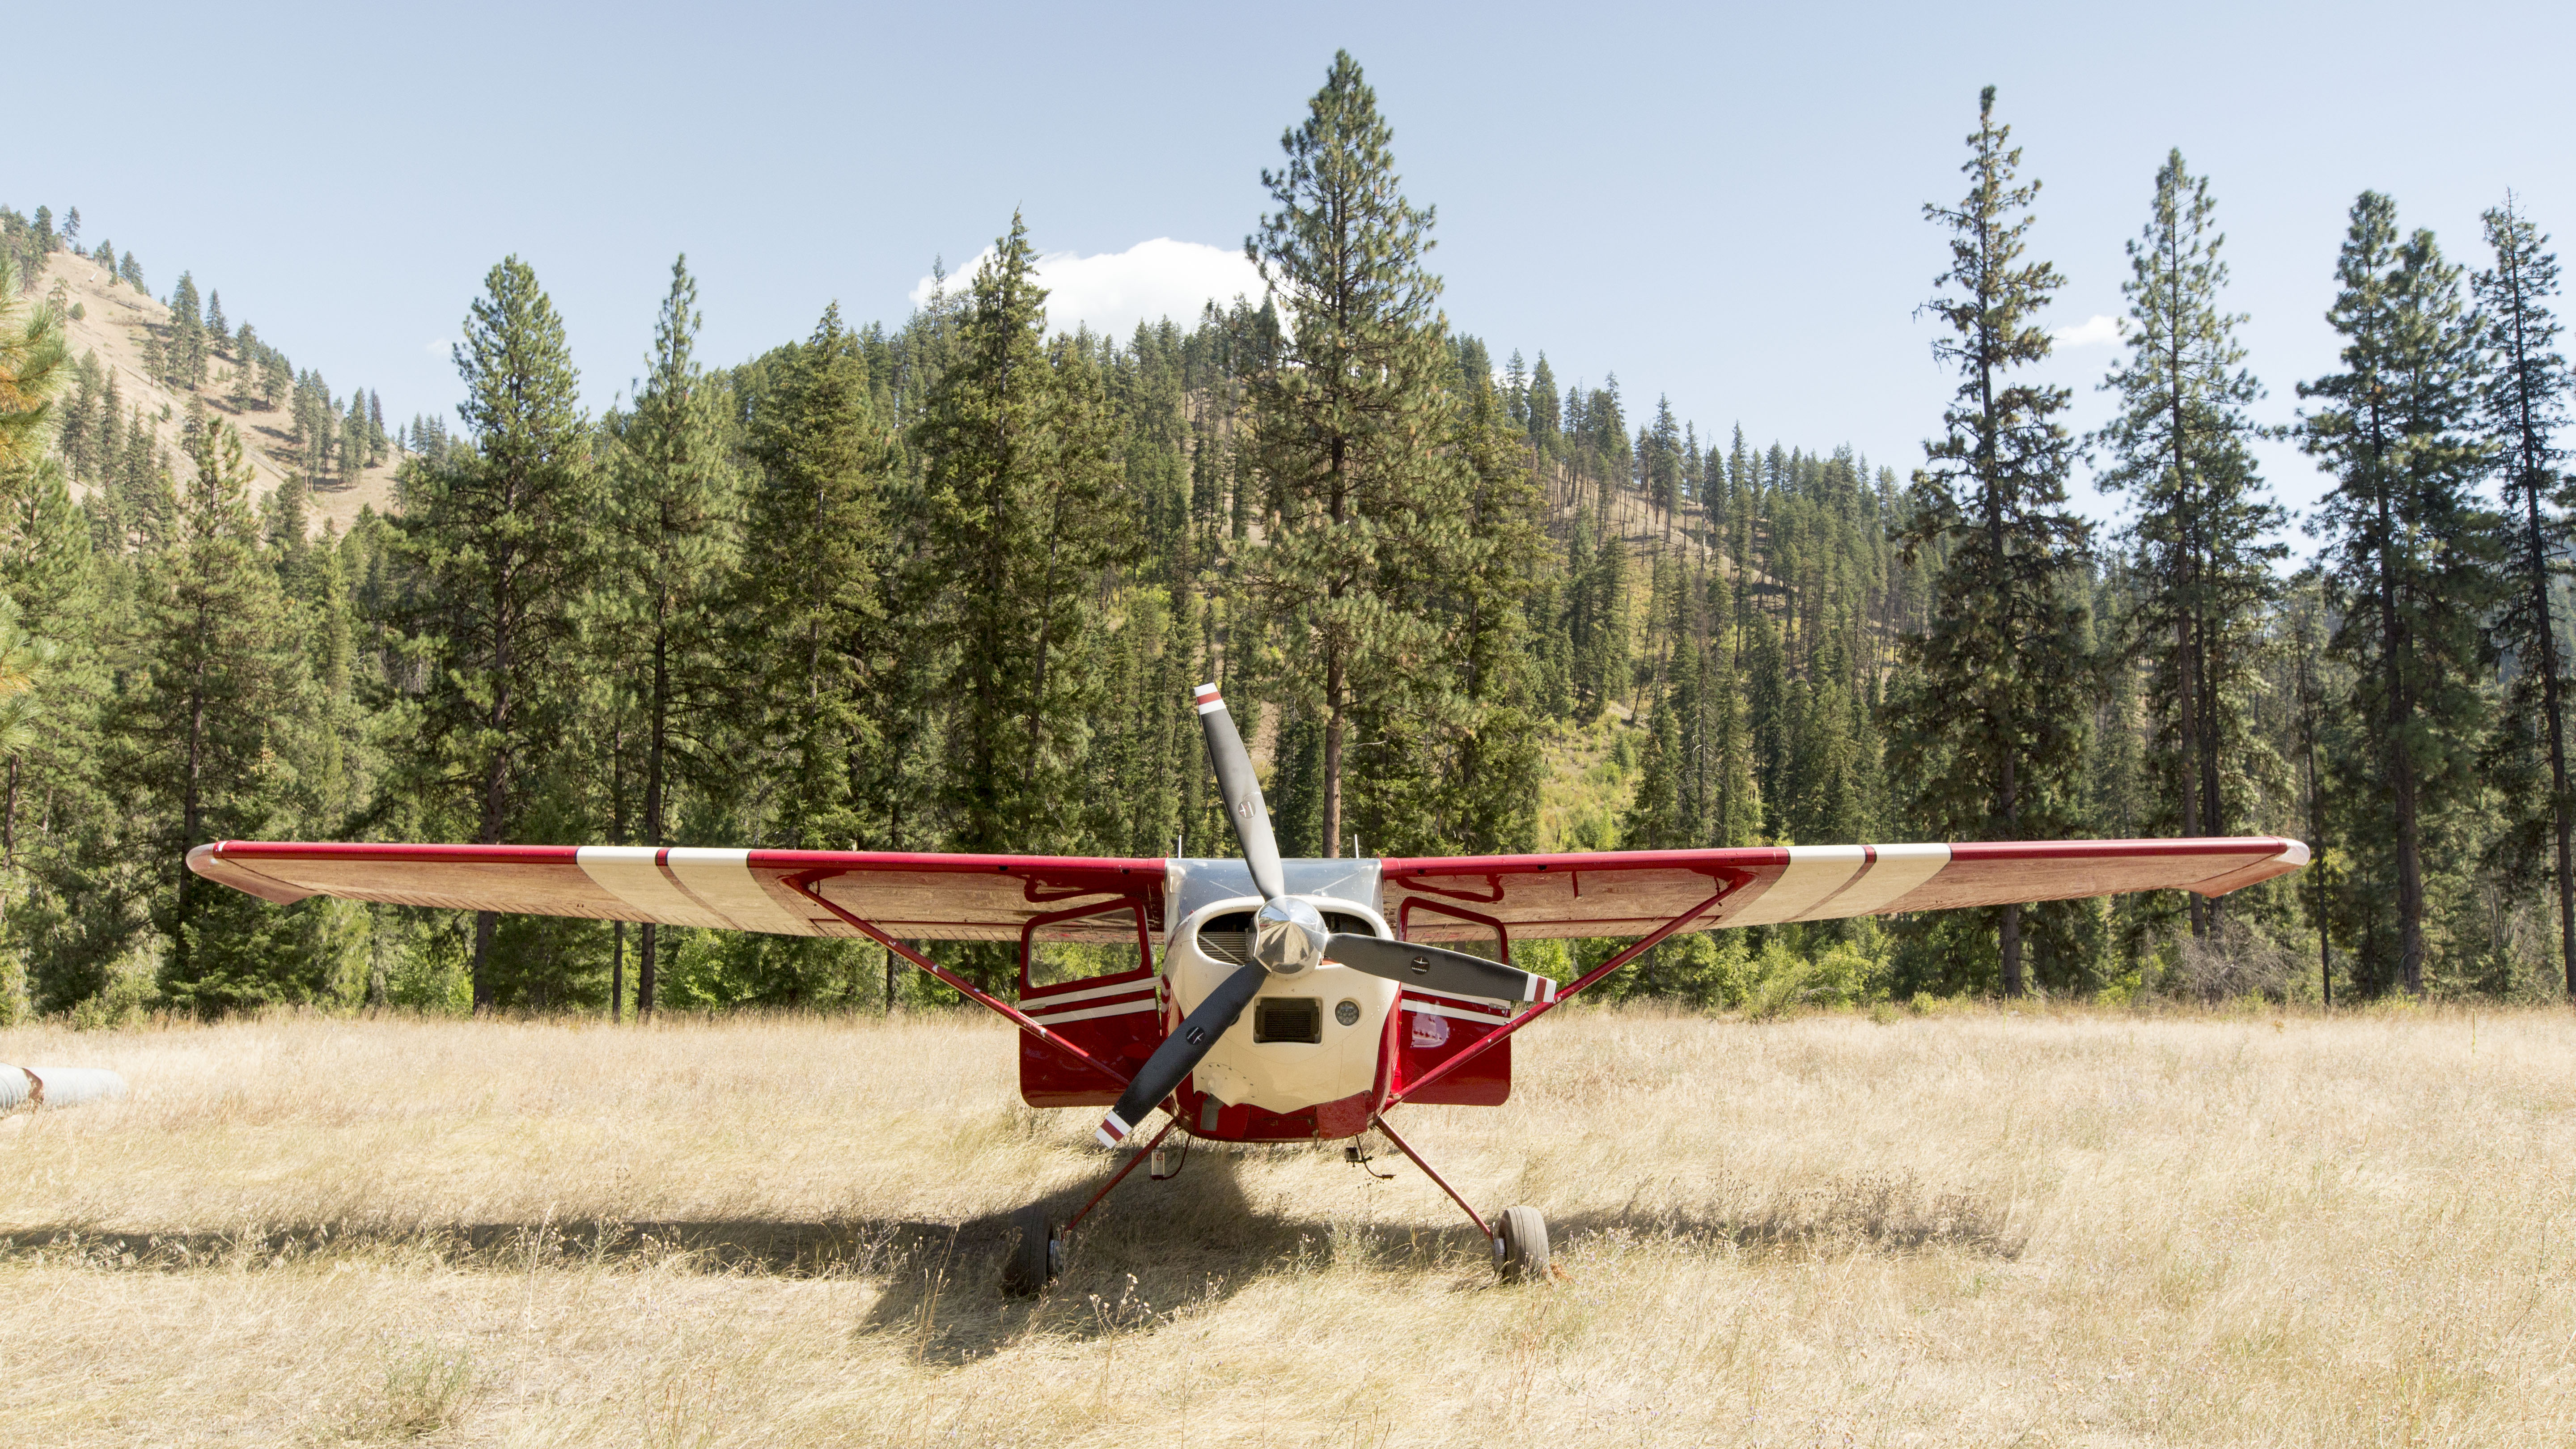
(912,897)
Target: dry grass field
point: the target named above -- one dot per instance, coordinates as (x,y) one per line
(1977,1228)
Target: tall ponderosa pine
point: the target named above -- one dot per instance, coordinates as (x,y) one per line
(2203,528)
(32,370)
(1696,785)
(673,502)
(2525,406)
(202,746)
(2411,554)
(832,720)
(32,361)
(1348,424)
(1488,754)
(501,535)
(1993,731)
(814,603)
(1022,506)
(25,660)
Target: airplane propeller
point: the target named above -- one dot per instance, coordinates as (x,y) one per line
(1288,938)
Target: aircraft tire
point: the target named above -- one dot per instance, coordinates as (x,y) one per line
(1520,1245)
(1031,1263)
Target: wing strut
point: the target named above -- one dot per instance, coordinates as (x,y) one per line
(1019,1018)
(1642,945)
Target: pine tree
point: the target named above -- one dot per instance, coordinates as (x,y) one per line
(2203,524)
(2309,598)
(1490,761)
(1347,423)
(184,360)
(145,500)
(276,377)
(1598,619)
(1023,506)
(76,435)
(499,533)
(33,357)
(1546,410)
(2525,405)
(198,746)
(816,590)
(356,449)
(25,660)
(2410,552)
(1656,817)
(1993,733)
(674,502)
(1659,460)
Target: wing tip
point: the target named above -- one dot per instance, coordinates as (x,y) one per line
(2293,855)
(208,860)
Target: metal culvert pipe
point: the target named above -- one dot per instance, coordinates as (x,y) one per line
(34,1087)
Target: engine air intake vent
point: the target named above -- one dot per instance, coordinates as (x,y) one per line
(1287,1018)
(1228,938)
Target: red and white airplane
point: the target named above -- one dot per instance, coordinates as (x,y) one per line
(1351,1010)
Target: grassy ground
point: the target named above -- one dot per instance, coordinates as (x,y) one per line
(1967,1229)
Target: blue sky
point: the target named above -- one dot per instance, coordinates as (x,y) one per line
(1723,204)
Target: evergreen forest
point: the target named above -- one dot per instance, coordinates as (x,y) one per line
(945,583)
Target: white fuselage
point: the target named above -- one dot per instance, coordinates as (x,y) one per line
(1284,1075)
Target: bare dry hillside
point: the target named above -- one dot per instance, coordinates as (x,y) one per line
(112,328)
(1983,1228)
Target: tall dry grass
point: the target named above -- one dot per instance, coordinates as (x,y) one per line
(1972,1229)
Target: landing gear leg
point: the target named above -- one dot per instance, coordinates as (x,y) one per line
(1038,1245)
(1519,1236)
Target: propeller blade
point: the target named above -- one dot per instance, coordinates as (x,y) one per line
(1433,969)
(1180,1052)
(1242,792)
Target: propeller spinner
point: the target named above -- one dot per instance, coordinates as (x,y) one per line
(1289,938)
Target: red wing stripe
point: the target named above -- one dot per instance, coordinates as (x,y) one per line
(634,875)
(662,863)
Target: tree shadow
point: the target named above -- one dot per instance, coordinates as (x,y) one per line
(839,1247)
(1150,1253)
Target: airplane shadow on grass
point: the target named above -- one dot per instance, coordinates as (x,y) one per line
(1152,1251)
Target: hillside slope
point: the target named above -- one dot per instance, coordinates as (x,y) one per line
(112,328)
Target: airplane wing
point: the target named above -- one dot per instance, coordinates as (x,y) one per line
(992,897)
(908,896)
(1632,892)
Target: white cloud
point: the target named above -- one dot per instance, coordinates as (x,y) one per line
(2093,331)
(438,346)
(1112,292)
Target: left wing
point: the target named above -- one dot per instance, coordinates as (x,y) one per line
(1632,892)
(908,896)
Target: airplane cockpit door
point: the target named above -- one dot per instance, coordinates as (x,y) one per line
(1079,978)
